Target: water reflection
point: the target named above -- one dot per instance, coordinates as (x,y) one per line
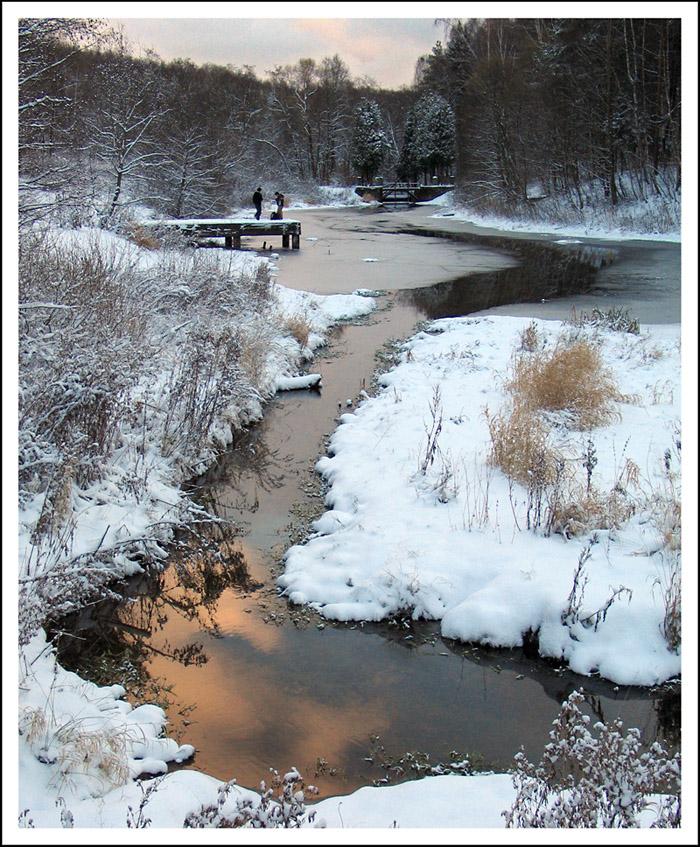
(264,692)
(249,460)
(125,627)
(544,271)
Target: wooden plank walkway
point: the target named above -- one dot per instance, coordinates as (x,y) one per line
(231,230)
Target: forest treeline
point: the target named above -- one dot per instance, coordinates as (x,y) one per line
(511,109)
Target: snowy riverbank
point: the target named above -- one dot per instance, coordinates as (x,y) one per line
(422,524)
(655,219)
(77,741)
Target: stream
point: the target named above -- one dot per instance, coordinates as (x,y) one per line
(253,682)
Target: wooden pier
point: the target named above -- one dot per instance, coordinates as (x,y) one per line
(232,230)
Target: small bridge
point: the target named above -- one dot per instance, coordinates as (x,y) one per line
(232,230)
(401,193)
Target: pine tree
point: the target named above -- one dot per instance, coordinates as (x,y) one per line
(429,139)
(437,136)
(369,141)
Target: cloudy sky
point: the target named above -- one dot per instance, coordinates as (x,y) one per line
(385,49)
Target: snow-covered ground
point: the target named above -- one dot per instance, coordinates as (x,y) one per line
(395,538)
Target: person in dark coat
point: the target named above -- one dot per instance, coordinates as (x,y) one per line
(257,202)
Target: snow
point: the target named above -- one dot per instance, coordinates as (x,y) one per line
(291,383)
(448,541)
(590,227)
(247,222)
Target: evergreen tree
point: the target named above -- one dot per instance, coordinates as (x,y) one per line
(369,140)
(429,139)
(408,163)
(437,137)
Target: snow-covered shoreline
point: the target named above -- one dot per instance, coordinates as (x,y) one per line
(445,538)
(608,230)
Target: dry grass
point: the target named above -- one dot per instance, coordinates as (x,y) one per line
(142,237)
(569,378)
(299,327)
(73,750)
(519,445)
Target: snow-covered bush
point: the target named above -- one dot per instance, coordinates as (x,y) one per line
(133,364)
(595,777)
(287,810)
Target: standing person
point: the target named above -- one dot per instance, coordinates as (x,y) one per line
(279,197)
(257,202)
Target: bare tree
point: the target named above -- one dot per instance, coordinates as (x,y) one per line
(47,47)
(120,124)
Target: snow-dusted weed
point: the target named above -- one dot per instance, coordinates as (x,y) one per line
(475,489)
(281,806)
(663,506)
(595,777)
(573,613)
(432,431)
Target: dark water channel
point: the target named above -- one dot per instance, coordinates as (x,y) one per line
(254,683)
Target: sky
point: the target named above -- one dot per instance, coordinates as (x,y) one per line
(385,49)
(371,38)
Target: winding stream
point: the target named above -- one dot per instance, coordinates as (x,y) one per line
(276,686)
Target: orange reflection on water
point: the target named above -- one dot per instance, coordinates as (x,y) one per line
(246,704)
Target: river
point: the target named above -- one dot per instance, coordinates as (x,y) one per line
(254,683)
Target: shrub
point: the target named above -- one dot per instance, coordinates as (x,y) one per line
(587,780)
(617,319)
(286,811)
(117,355)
